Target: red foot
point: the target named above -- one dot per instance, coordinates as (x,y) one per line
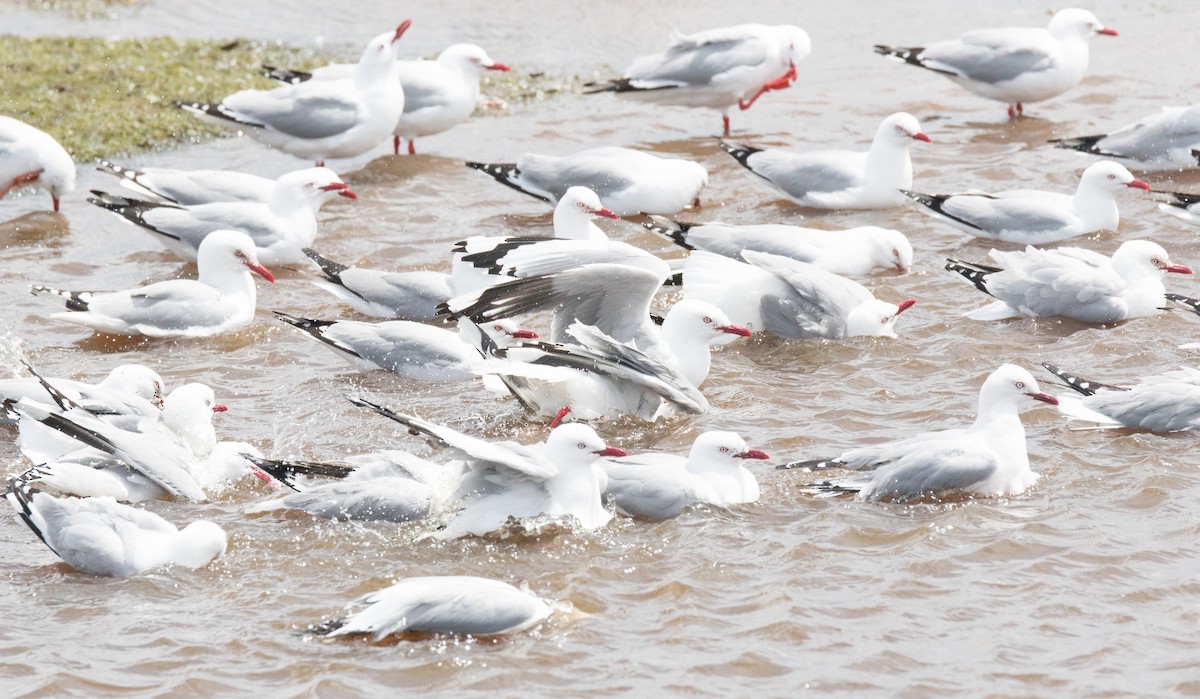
(563,412)
(725,121)
(396,144)
(412,148)
(781,83)
(696,203)
(320,163)
(55,203)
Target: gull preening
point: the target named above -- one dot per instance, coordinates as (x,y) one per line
(987,458)
(1166,402)
(787,297)
(281,226)
(855,251)
(840,179)
(129,390)
(1013,65)
(30,156)
(1168,140)
(1035,217)
(320,119)
(222,300)
(718,68)
(100,536)
(441,604)
(660,486)
(1072,283)
(626,180)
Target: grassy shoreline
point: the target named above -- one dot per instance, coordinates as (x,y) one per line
(105,99)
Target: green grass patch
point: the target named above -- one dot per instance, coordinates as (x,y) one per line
(104,98)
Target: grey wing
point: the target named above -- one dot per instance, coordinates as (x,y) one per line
(381,499)
(421,92)
(645,489)
(1160,406)
(178,304)
(556,175)
(998,214)
(800,174)
(1153,137)
(931,469)
(820,301)
(696,64)
(314,109)
(988,56)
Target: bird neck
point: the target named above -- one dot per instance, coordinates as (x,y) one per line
(692,356)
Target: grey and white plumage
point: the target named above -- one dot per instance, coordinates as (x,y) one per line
(128,390)
(838,179)
(661,486)
(787,297)
(1166,402)
(1012,65)
(987,458)
(441,604)
(1181,205)
(503,480)
(1035,217)
(855,251)
(411,295)
(412,350)
(1167,140)
(30,156)
(718,68)
(222,300)
(626,180)
(191,187)
(1072,282)
(320,119)
(281,226)
(99,536)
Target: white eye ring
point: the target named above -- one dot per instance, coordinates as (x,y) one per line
(1112,177)
(724,450)
(707,319)
(582,445)
(497,326)
(1020,384)
(1155,261)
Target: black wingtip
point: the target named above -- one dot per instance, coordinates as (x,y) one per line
(1191,303)
(1085,144)
(61,399)
(1085,386)
(332,270)
(974,273)
(676,231)
(812,465)
(310,325)
(740,153)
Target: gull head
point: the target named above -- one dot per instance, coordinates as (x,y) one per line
(469,58)
(902,129)
(1140,259)
(577,444)
(1013,388)
(224,252)
(137,380)
(1074,23)
(199,544)
(875,318)
(722,450)
(702,322)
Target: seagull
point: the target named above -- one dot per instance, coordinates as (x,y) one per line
(321,119)
(1166,402)
(1012,65)
(457,604)
(99,536)
(30,156)
(397,295)
(281,226)
(987,458)
(480,261)
(659,486)
(504,480)
(719,68)
(191,187)
(412,350)
(1183,206)
(606,356)
(1072,283)
(438,94)
(787,297)
(128,390)
(839,179)
(387,486)
(1035,217)
(1168,140)
(627,181)
(221,300)
(855,251)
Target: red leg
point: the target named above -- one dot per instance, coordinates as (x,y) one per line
(781,83)
(1020,109)
(412,147)
(320,163)
(396,144)
(563,412)
(55,203)
(696,203)
(725,121)
(1012,111)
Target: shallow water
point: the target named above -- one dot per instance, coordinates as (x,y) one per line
(1084,586)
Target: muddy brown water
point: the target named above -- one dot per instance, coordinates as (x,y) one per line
(1084,586)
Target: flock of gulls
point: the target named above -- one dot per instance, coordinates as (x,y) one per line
(604,347)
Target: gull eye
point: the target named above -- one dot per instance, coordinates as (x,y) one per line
(886,319)
(1020,384)
(895,252)
(724,450)
(581,445)
(707,319)
(497,326)
(1112,177)
(1155,261)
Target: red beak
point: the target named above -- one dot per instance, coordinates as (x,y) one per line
(261,271)
(1043,397)
(1138,184)
(606,213)
(55,203)
(735,330)
(918,136)
(524,334)
(610,451)
(1177,269)
(905,305)
(1108,32)
(752,454)
(401,29)
(260,474)
(341,188)
(219,407)
(498,66)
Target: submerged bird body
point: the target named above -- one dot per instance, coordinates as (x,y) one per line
(1166,402)
(1168,140)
